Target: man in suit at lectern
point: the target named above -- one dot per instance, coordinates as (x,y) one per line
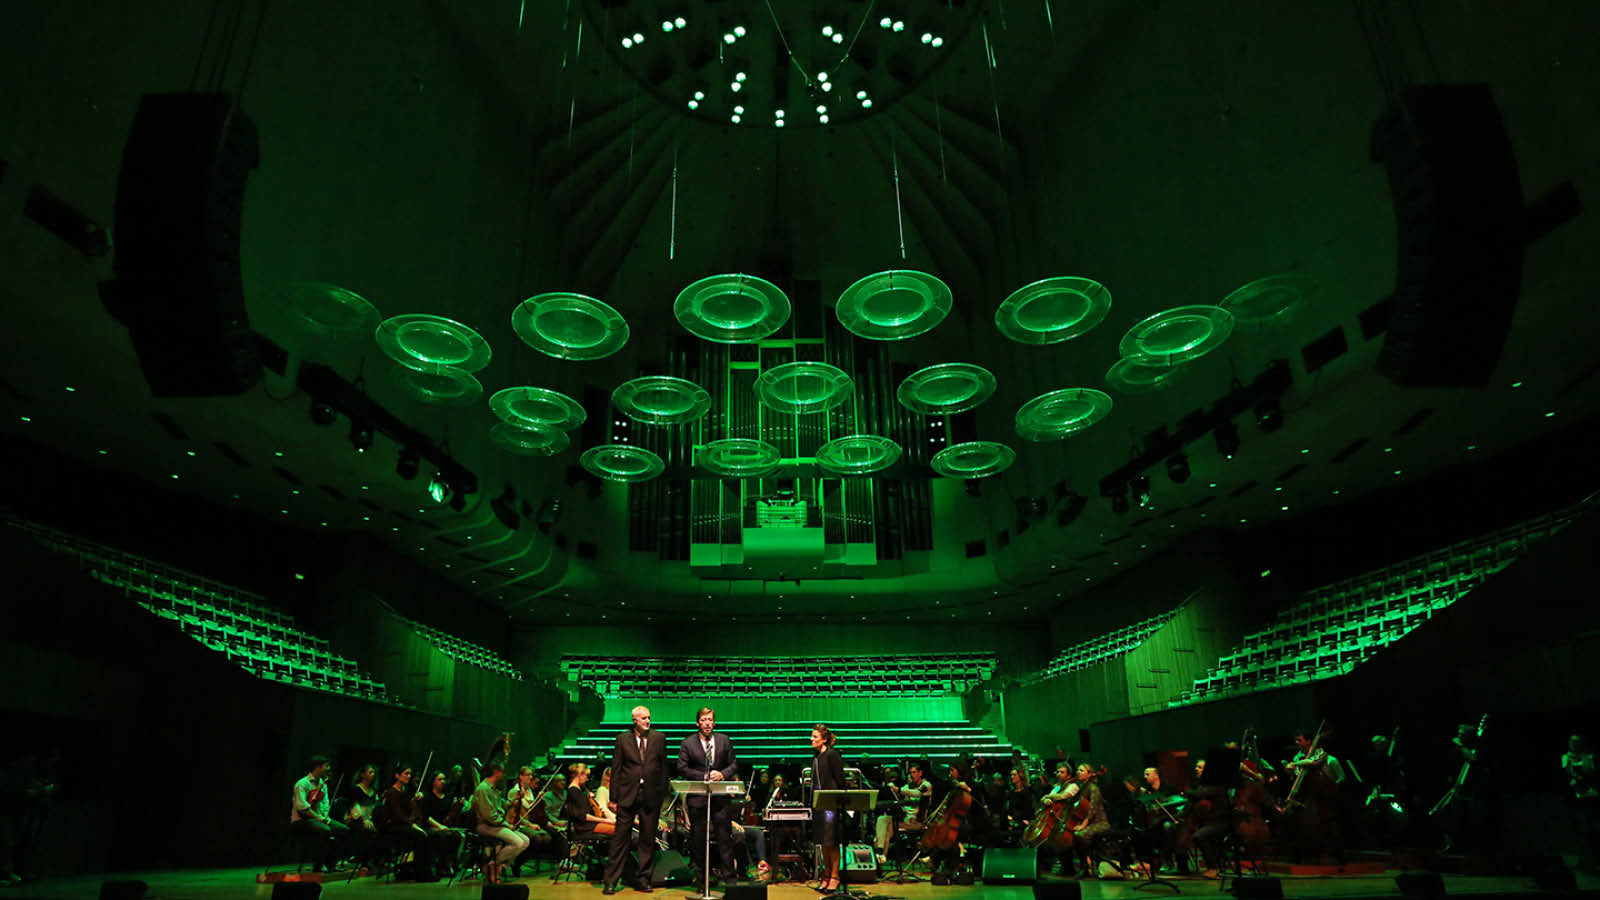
(707,755)
(638,781)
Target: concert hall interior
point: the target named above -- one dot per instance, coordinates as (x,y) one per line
(1201,400)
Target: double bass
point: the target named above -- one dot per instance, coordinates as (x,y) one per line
(1251,800)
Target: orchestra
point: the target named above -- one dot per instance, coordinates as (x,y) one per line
(1178,815)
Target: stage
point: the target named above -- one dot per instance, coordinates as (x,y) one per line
(206,884)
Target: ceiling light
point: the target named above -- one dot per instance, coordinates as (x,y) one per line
(867,103)
(821,109)
(666,25)
(822,76)
(361,436)
(738,31)
(927,38)
(627,43)
(899,26)
(736,87)
(838,38)
(1141,489)
(827,85)
(738,76)
(694,104)
(1268,415)
(681,22)
(827,31)
(699,95)
(739,110)
(777,114)
(861,95)
(406,465)
(638,37)
(1227,435)
(885,22)
(734,118)
(823,118)
(938,41)
(777,123)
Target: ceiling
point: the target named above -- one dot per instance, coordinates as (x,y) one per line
(455,158)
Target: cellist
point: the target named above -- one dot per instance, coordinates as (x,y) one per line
(1087,820)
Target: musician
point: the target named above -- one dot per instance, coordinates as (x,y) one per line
(602,795)
(309,814)
(1019,804)
(438,808)
(779,792)
(488,807)
(528,814)
(1577,763)
(361,799)
(402,822)
(917,794)
(1158,827)
(1089,821)
(827,770)
(761,788)
(707,755)
(1318,819)
(1462,814)
(638,773)
(582,812)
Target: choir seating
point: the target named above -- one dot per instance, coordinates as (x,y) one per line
(780,676)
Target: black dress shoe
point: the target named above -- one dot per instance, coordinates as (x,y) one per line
(609,889)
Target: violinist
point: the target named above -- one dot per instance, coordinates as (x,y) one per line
(361,800)
(602,796)
(402,822)
(582,812)
(1160,807)
(488,807)
(828,771)
(529,816)
(309,814)
(437,808)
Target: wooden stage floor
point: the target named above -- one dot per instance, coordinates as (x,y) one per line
(214,884)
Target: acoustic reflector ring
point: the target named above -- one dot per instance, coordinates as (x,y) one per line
(1053,310)
(661,400)
(527,406)
(1058,414)
(803,387)
(569,326)
(439,386)
(738,458)
(529,439)
(1133,377)
(1177,335)
(946,389)
(857,454)
(622,462)
(1270,300)
(423,342)
(893,305)
(973,459)
(732,309)
(330,310)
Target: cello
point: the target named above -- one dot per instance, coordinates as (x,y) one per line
(944,826)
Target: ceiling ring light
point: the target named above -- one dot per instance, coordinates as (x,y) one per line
(1053,310)
(732,309)
(569,326)
(1270,300)
(893,305)
(331,310)
(1133,377)
(525,405)
(439,386)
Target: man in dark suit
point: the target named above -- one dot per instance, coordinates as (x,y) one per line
(638,781)
(707,755)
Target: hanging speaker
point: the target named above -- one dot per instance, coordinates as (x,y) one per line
(1459,234)
(178,286)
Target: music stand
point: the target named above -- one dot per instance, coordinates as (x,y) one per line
(837,801)
(707,789)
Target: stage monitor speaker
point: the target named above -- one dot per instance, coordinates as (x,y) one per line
(1420,884)
(858,864)
(1057,889)
(1007,866)
(180,203)
(297,890)
(511,891)
(123,890)
(667,867)
(745,890)
(1459,233)
(1257,889)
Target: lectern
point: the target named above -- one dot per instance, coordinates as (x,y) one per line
(707,789)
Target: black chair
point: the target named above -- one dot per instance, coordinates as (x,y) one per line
(580,853)
(476,849)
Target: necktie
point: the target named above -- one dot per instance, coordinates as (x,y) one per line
(708,758)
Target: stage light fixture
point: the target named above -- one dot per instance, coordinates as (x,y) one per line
(322,413)
(1178,467)
(1227,435)
(361,436)
(438,489)
(1269,416)
(1141,489)
(407,464)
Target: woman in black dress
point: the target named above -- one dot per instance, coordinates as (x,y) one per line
(827,770)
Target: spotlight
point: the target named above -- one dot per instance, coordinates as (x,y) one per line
(407,464)
(1269,417)
(322,413)
(1227,435)
(438,489)
(1178,467)
(1141,489)
(360,436)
